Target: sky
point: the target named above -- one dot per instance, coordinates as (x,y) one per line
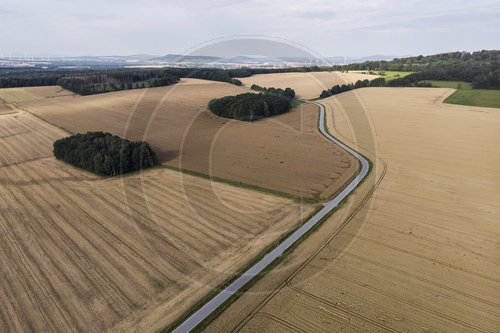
(327,27)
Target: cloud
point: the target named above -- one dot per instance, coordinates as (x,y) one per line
(161,27)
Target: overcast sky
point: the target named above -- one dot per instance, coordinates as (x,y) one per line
(330,27)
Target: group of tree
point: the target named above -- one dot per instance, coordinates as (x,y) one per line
(95,81)
(481,68)
(287,93)
(114,81)
(249,106)
(10,82)
(104,153)
(378,82)
(337,89)
(29,77)
(98,80)
(408,81)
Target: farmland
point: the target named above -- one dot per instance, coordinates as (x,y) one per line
(465,95)
(4,108)
(306,85)
(17,95)
(83,253)
(421,254)
(475,97)
(284,153)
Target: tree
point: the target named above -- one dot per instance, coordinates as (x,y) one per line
(104,154)
(249,106)
(378,82)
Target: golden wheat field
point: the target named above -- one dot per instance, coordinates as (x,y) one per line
(422,253)
(284,153)
(306,85)
(83,253)
(4,108)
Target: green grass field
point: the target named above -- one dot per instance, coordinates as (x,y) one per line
(475,97)
(468,96)
(463,96)
(388,75)
(391,75)
(450,84)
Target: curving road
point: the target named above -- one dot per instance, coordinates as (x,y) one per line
(197,317)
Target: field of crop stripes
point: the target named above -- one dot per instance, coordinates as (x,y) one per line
(83,253)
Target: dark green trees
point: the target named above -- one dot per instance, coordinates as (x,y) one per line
(288,93)
(119,80)
(378,82)
(249,106)
(343,88)
(104,153)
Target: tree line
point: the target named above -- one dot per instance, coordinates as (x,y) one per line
(114,81)
(111,79)
(287,93)
(378,82)
(481,68)
(104,153)
(95,81)
(249,106)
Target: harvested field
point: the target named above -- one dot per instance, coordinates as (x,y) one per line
(284,153)
(306,85)
(18,95)
(422,254)
(4,109)
(90,254)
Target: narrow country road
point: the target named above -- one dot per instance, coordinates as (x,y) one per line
(197,317)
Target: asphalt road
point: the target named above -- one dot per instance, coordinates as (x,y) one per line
(197,317)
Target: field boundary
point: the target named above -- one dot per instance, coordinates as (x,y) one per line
(42,119)
(241,184)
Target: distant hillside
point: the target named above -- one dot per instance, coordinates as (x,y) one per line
(172,58)
(420,63)
(482,68)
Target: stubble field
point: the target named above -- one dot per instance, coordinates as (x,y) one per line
(306,85)
(421,255)
(83,253)
(284,153)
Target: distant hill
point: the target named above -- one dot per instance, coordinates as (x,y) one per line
(488,58)
(173,58)
(261,60)
(481,68)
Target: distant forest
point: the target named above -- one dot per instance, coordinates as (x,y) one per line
(378,82)
(105,82)
(481,68)
(104,153)
(287,93)
(87,82)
